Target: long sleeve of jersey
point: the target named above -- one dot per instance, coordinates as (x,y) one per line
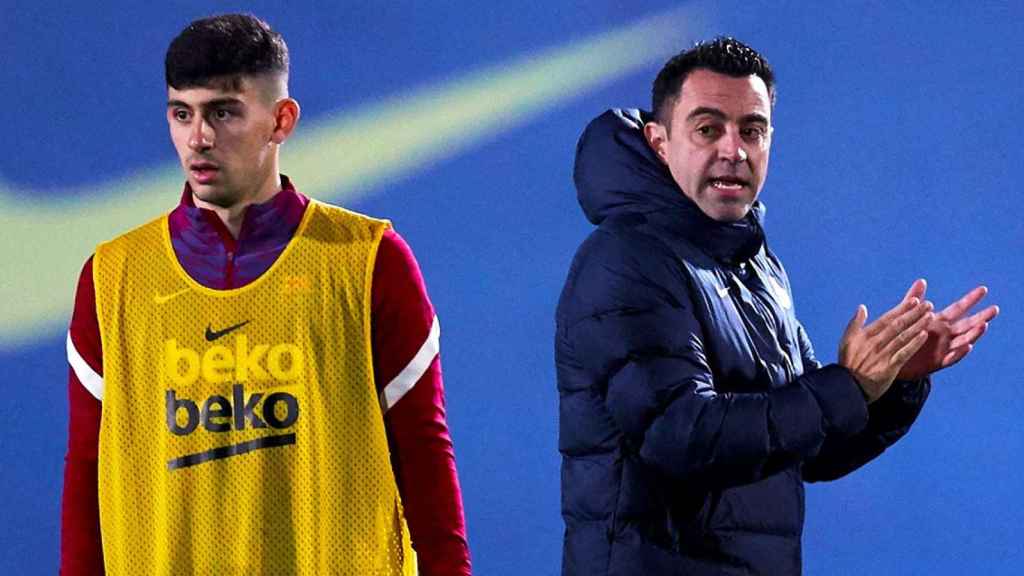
(407,368)
(408,375)
(81,551)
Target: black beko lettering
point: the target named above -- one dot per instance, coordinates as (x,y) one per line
(216,407)
(191,413)
(291,410)
(218,413)
(245,408)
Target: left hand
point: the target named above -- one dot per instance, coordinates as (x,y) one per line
(951,336)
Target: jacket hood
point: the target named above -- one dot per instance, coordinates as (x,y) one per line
(617,173)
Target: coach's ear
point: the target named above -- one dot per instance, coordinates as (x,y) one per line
(657,138)
(286,116)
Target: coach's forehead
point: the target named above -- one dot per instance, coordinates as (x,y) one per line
(738,94)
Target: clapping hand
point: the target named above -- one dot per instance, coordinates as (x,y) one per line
(875,353)
(951,333)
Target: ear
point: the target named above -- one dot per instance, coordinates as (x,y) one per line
(286,116)
(657,139)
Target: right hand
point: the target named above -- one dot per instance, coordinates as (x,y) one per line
(875,353)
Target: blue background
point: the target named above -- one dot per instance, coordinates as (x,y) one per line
(896,155)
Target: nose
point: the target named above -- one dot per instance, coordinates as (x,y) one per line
(201,136)
(730,147)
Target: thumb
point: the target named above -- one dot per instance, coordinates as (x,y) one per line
(857,322)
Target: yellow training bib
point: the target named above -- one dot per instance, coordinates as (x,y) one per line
(242,432)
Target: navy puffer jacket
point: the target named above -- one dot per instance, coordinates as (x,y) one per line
(692,408)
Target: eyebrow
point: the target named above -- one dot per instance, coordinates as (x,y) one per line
(715,112)
(208,104)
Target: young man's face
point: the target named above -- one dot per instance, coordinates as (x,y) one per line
(717,149)
(224,135)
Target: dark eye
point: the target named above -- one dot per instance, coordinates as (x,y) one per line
(707,131)
(222,114)
(180,114)
(753,133)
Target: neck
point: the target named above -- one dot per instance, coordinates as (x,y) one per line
(232,216)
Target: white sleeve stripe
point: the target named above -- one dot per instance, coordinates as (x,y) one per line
(92,381)
(411,374)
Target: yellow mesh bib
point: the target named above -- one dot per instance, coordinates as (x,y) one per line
(241,431)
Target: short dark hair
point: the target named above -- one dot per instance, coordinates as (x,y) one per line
(724,55)
(225,47)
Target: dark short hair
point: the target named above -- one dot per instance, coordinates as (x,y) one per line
(724,55)
(225,47)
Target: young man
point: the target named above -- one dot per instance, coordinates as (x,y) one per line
(255,356)
(692,406)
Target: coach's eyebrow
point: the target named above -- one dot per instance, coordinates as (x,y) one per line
(755,117)
(706,110)
(718,114)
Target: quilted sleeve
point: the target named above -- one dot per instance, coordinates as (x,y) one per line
(643,353)
(889,419)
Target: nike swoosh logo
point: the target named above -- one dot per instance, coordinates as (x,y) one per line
(336,157)
(164,298)
(723,291)
(212,334)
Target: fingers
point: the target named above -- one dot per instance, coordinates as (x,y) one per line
(885,320)
(917,289)
(965,303)
(910,348)
(968,338)
(898,325)
(962,345)
(983,317)
(901,335)
(955,355)
(973,321)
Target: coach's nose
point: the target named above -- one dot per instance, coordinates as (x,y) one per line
(730,146)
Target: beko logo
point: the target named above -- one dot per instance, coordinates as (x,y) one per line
(236,410)
(219,363)
(221,414)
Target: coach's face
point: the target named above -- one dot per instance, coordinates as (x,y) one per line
(226,136)
(717,143)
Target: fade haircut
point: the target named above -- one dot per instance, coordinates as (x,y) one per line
(724,55)
(222,50)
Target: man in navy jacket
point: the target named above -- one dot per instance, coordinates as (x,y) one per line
(692,407)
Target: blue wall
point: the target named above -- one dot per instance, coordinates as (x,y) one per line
(896,156)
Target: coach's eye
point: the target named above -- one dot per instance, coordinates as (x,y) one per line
(753,133)
(707,131)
